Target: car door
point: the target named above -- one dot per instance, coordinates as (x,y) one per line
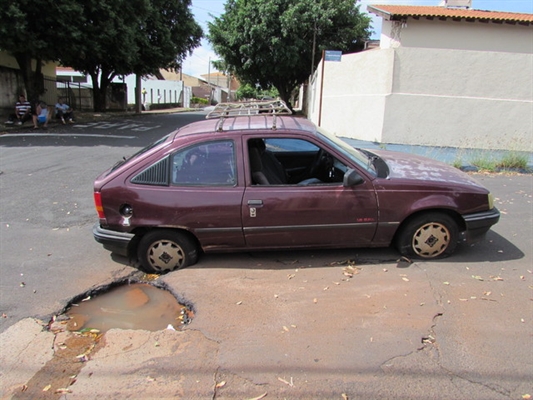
(325,214)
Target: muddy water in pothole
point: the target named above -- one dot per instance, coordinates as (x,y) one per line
(135,306)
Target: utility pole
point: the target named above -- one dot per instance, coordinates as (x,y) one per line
(314,46)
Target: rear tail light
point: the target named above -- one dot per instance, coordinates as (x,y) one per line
(98,205)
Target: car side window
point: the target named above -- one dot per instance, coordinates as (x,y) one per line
(211,163)
(291,161)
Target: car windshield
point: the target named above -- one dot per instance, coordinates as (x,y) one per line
(142,151)
(360,158)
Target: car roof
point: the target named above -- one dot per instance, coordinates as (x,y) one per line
(248,116)
(248,123)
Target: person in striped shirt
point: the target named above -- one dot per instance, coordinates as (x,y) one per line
(22,112)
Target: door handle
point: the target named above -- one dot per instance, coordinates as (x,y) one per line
(255,203)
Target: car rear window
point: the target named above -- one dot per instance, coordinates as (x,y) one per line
(140,152)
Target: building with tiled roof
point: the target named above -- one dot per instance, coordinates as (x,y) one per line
(441,76)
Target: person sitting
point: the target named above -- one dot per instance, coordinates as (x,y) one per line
(64,112)
(22,112)
(42,115)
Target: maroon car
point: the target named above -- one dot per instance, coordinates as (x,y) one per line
(248,178)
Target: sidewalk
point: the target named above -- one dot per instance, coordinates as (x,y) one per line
(462,158)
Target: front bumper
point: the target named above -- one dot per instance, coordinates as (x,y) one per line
(478,224)
(116,242)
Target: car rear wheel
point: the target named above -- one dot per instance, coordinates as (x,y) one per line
(163,251)
(429,235)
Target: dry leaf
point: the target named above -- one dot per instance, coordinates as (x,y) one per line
(259,397)
(47,388)
(286,329)
(63,391)
(350,271)
(239,303)
(344,396)
(291,384)
(479,278)
(220,384)
(405,279)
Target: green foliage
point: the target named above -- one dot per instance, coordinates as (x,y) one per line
(37,30)
(513,160)
(248,91)
(270,42)
(199,100)
(131,36)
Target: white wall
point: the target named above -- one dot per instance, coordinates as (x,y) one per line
(431,96)
(462,35)
(461,99)
(354,94)
(158,91)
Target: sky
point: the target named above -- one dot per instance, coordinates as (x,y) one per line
(204,10)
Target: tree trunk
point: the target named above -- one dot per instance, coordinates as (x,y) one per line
(138,101)
(33,81)
(99,93)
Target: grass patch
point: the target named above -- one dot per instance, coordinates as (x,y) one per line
(513,160)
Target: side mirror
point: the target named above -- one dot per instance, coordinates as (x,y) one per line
(352,178)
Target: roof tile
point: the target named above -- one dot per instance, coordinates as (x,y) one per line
(393,12)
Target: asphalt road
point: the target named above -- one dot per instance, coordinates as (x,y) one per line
(288,324)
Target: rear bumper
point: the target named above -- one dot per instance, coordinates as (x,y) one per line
(478,224)
(116,242)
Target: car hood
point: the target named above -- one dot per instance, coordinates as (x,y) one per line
(418,168)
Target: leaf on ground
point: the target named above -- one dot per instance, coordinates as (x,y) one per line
(351,271)
(220,384)
(259,397)
(479,278)
(47,388)
(291,383)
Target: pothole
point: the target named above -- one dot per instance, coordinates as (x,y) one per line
(128,306)
(80,327)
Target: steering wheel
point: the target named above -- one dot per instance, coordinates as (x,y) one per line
(317,162)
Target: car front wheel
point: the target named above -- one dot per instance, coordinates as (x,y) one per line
(163,251)
(429,235)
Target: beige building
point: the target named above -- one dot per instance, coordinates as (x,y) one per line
(441,77)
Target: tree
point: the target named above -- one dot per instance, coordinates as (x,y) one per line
(102,38)
(131,36)
(275,42)
(33,36)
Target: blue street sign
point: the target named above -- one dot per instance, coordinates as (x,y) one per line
(333,55)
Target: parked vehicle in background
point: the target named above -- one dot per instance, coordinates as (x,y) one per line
(253,177)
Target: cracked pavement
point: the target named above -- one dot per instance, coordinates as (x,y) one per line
(284,324)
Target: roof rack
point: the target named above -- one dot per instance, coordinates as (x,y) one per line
(250,108)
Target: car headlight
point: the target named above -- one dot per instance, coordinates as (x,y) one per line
(491,201)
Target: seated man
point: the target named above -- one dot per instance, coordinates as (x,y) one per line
(42,115)
(63,111)
(22,112)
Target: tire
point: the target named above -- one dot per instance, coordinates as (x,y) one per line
(427,236)
(163,251)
